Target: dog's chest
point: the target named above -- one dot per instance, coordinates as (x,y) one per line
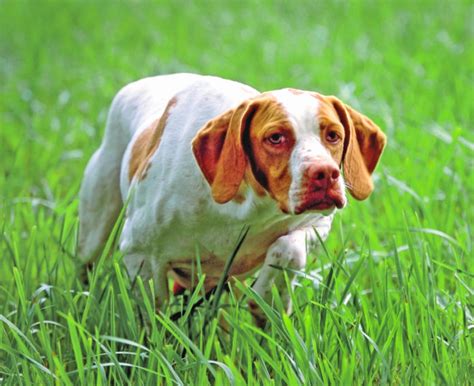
(214,238)
(205,244)
(209,252)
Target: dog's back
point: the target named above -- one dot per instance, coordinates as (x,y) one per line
(133,107)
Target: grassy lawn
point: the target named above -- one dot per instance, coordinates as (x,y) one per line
(389,299)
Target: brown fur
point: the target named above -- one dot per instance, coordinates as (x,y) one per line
(270,166)
(230,150)
(363,144)
(146,145)
(329,121)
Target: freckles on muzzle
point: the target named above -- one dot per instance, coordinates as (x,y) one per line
(322,188)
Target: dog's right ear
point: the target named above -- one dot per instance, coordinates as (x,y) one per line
(363,146)
(219,152)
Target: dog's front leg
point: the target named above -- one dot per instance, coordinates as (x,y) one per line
(289,251)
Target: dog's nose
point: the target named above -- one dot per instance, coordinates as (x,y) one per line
(322,176)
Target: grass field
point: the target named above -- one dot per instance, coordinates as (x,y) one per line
(388,300)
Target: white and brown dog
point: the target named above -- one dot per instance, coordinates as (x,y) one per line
(199,157)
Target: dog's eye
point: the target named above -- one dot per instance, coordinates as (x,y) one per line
(276,138)
(332,137)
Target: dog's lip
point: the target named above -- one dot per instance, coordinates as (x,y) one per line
(323,205)
(330,200)
(316,206)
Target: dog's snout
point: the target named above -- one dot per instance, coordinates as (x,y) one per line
(322,175)
(321,188)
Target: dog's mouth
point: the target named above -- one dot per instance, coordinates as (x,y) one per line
(321,202)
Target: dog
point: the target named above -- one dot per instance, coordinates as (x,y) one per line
(196,158)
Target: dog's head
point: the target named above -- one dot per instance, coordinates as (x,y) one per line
(292,145)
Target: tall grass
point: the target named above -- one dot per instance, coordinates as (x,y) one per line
(387,300)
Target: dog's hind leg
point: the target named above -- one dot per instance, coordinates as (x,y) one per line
(100,200)
(100,203)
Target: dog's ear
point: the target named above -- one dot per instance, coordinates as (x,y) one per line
(363,146)
(219,151)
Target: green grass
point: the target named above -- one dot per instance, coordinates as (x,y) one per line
(390,298)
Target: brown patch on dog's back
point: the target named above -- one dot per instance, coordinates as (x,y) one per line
(295,91)
(139,149)
(146,145)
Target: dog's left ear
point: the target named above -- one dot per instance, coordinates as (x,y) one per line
(363,146)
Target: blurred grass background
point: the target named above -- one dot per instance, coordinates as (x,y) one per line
(404,257)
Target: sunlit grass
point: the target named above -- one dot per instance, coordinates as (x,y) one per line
(388,300)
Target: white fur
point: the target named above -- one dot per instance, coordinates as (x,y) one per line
(171,213)
(301,109)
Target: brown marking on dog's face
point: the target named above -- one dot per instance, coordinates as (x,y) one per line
(146,145)
(269,144)
(250,144)
(331,129)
